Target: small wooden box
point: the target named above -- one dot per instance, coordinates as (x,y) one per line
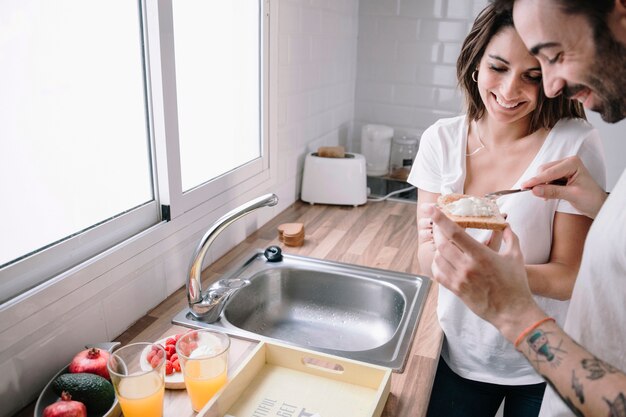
(279,380)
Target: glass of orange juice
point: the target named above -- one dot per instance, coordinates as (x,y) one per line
(203,357)
(139,382)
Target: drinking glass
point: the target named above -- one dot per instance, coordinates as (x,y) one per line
(203,357)
(138,377)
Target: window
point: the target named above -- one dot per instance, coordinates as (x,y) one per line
(217,86)
(114,112)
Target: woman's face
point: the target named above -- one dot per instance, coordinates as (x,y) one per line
(509,78)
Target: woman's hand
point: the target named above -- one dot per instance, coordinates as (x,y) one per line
(425,227)
(581,190)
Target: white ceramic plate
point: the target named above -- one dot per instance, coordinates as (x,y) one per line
(173,381)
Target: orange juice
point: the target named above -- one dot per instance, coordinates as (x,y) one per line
(141,396)
(203,378)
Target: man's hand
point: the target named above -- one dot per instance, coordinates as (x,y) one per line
(492,285)
(581,189)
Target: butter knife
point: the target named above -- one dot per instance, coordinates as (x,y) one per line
(496,194)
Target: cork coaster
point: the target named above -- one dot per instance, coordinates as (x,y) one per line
(291,234)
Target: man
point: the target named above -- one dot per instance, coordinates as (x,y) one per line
(581,46)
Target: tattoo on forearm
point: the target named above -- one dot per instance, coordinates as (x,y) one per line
(578,388)
(617,408)
(539,343)
(597,368)
(565,399)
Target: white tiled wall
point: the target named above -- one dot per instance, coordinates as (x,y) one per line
(407,50)
(317,67)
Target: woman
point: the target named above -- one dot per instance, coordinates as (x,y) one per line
(509,131)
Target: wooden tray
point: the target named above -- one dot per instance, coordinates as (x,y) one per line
(283,380)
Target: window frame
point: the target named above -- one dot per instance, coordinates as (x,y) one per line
(165,129)
(149,224)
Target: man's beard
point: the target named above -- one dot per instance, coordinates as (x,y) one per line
(608,80)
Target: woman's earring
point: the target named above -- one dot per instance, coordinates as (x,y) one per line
(475,76)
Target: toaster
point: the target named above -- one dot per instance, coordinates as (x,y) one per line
(340,181)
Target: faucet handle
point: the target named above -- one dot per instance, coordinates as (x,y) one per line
(234,283)
(273,254)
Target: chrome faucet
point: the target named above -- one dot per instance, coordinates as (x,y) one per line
(208,307)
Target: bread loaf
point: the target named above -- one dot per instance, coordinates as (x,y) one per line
(486,214)
(331,152)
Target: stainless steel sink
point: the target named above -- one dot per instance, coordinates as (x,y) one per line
(346,310)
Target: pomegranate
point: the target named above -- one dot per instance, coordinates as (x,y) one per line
(93,361)
(65,407)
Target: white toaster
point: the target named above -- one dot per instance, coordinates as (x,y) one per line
(334,180)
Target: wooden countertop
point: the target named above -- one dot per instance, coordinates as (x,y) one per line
(379,235)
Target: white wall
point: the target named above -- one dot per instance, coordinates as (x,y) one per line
(317,66)
(407,51)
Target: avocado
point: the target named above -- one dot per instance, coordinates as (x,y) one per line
(92,390)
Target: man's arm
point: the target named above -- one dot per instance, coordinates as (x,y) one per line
(495,287)
(588,385)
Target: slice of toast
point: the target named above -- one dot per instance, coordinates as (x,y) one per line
(494,221)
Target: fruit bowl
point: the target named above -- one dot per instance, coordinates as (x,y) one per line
(48,396)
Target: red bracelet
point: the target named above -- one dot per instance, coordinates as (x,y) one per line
(530,329)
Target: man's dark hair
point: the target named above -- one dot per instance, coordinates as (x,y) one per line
(596,11)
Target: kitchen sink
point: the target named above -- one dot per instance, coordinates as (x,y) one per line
(351,311)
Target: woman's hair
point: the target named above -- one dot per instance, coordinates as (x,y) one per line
(488,24)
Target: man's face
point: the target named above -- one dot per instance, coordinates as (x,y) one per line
(574,62)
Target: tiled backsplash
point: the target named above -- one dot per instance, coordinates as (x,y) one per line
(317,72)
(407,50)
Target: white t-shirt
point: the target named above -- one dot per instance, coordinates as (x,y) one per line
(473,348)
(597,313)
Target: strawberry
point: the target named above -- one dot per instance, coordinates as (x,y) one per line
(155,361)
(169,368)
(170,350)
(184,348)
